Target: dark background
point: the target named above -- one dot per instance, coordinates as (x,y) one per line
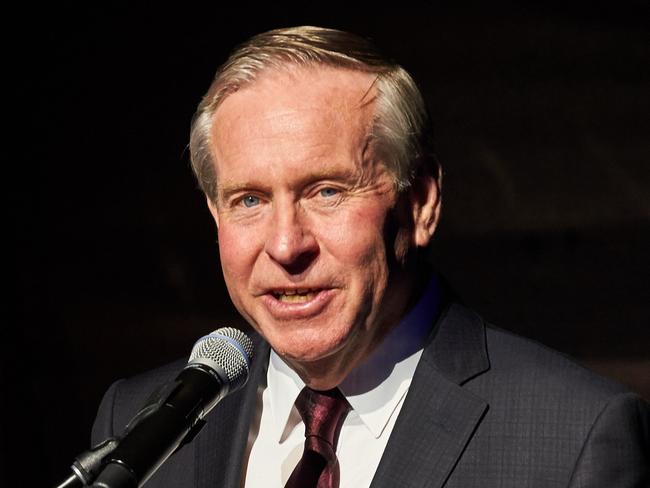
(542,126)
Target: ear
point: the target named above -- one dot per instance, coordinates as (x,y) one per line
(425,201)
(213,210)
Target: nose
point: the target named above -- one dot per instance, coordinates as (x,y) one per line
(290,241)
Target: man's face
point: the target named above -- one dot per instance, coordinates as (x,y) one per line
(304,213)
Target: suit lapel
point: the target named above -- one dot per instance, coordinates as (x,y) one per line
(220,447)
(438,417)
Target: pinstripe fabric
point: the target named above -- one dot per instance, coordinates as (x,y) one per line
(485,409)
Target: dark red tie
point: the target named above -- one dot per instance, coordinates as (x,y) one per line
(323,413)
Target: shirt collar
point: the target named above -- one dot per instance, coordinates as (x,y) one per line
(376,387)
(284,386)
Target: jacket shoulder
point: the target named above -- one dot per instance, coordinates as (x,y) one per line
(125,397)
(549,418)
(528,365)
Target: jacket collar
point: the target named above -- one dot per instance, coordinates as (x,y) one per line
(439,416)
(457,347)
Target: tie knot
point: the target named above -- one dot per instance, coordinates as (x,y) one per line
(323,413)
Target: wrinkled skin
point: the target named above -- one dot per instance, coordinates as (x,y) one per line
(312,234)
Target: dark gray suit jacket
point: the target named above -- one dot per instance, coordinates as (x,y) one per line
(485,409)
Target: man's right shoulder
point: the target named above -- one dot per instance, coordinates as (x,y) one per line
(125,397)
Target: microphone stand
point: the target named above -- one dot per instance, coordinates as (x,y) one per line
(72,482)
(89,464)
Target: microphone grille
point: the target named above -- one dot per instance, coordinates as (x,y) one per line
(226,350)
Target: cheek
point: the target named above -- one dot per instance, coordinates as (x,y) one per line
(357,239)
(237,252)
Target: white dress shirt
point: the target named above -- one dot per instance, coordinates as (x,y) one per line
(375,390)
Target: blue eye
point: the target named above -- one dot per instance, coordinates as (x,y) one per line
(328,192)
(250,201)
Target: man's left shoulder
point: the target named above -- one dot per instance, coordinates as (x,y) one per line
(527,366)
(493,362)
(551,417)
(547,393)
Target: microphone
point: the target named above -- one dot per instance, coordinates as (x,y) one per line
(219,364)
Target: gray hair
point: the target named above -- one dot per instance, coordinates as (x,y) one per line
(401,130)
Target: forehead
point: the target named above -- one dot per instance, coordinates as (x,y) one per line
(294,109)
(301,87)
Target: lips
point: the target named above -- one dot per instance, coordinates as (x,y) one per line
(297,303)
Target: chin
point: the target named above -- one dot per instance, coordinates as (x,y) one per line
(310,346)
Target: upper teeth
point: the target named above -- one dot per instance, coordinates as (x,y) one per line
(301,291)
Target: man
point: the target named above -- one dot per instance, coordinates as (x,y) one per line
(315,157)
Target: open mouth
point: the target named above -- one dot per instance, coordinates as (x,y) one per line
(295,296)
(297,303)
